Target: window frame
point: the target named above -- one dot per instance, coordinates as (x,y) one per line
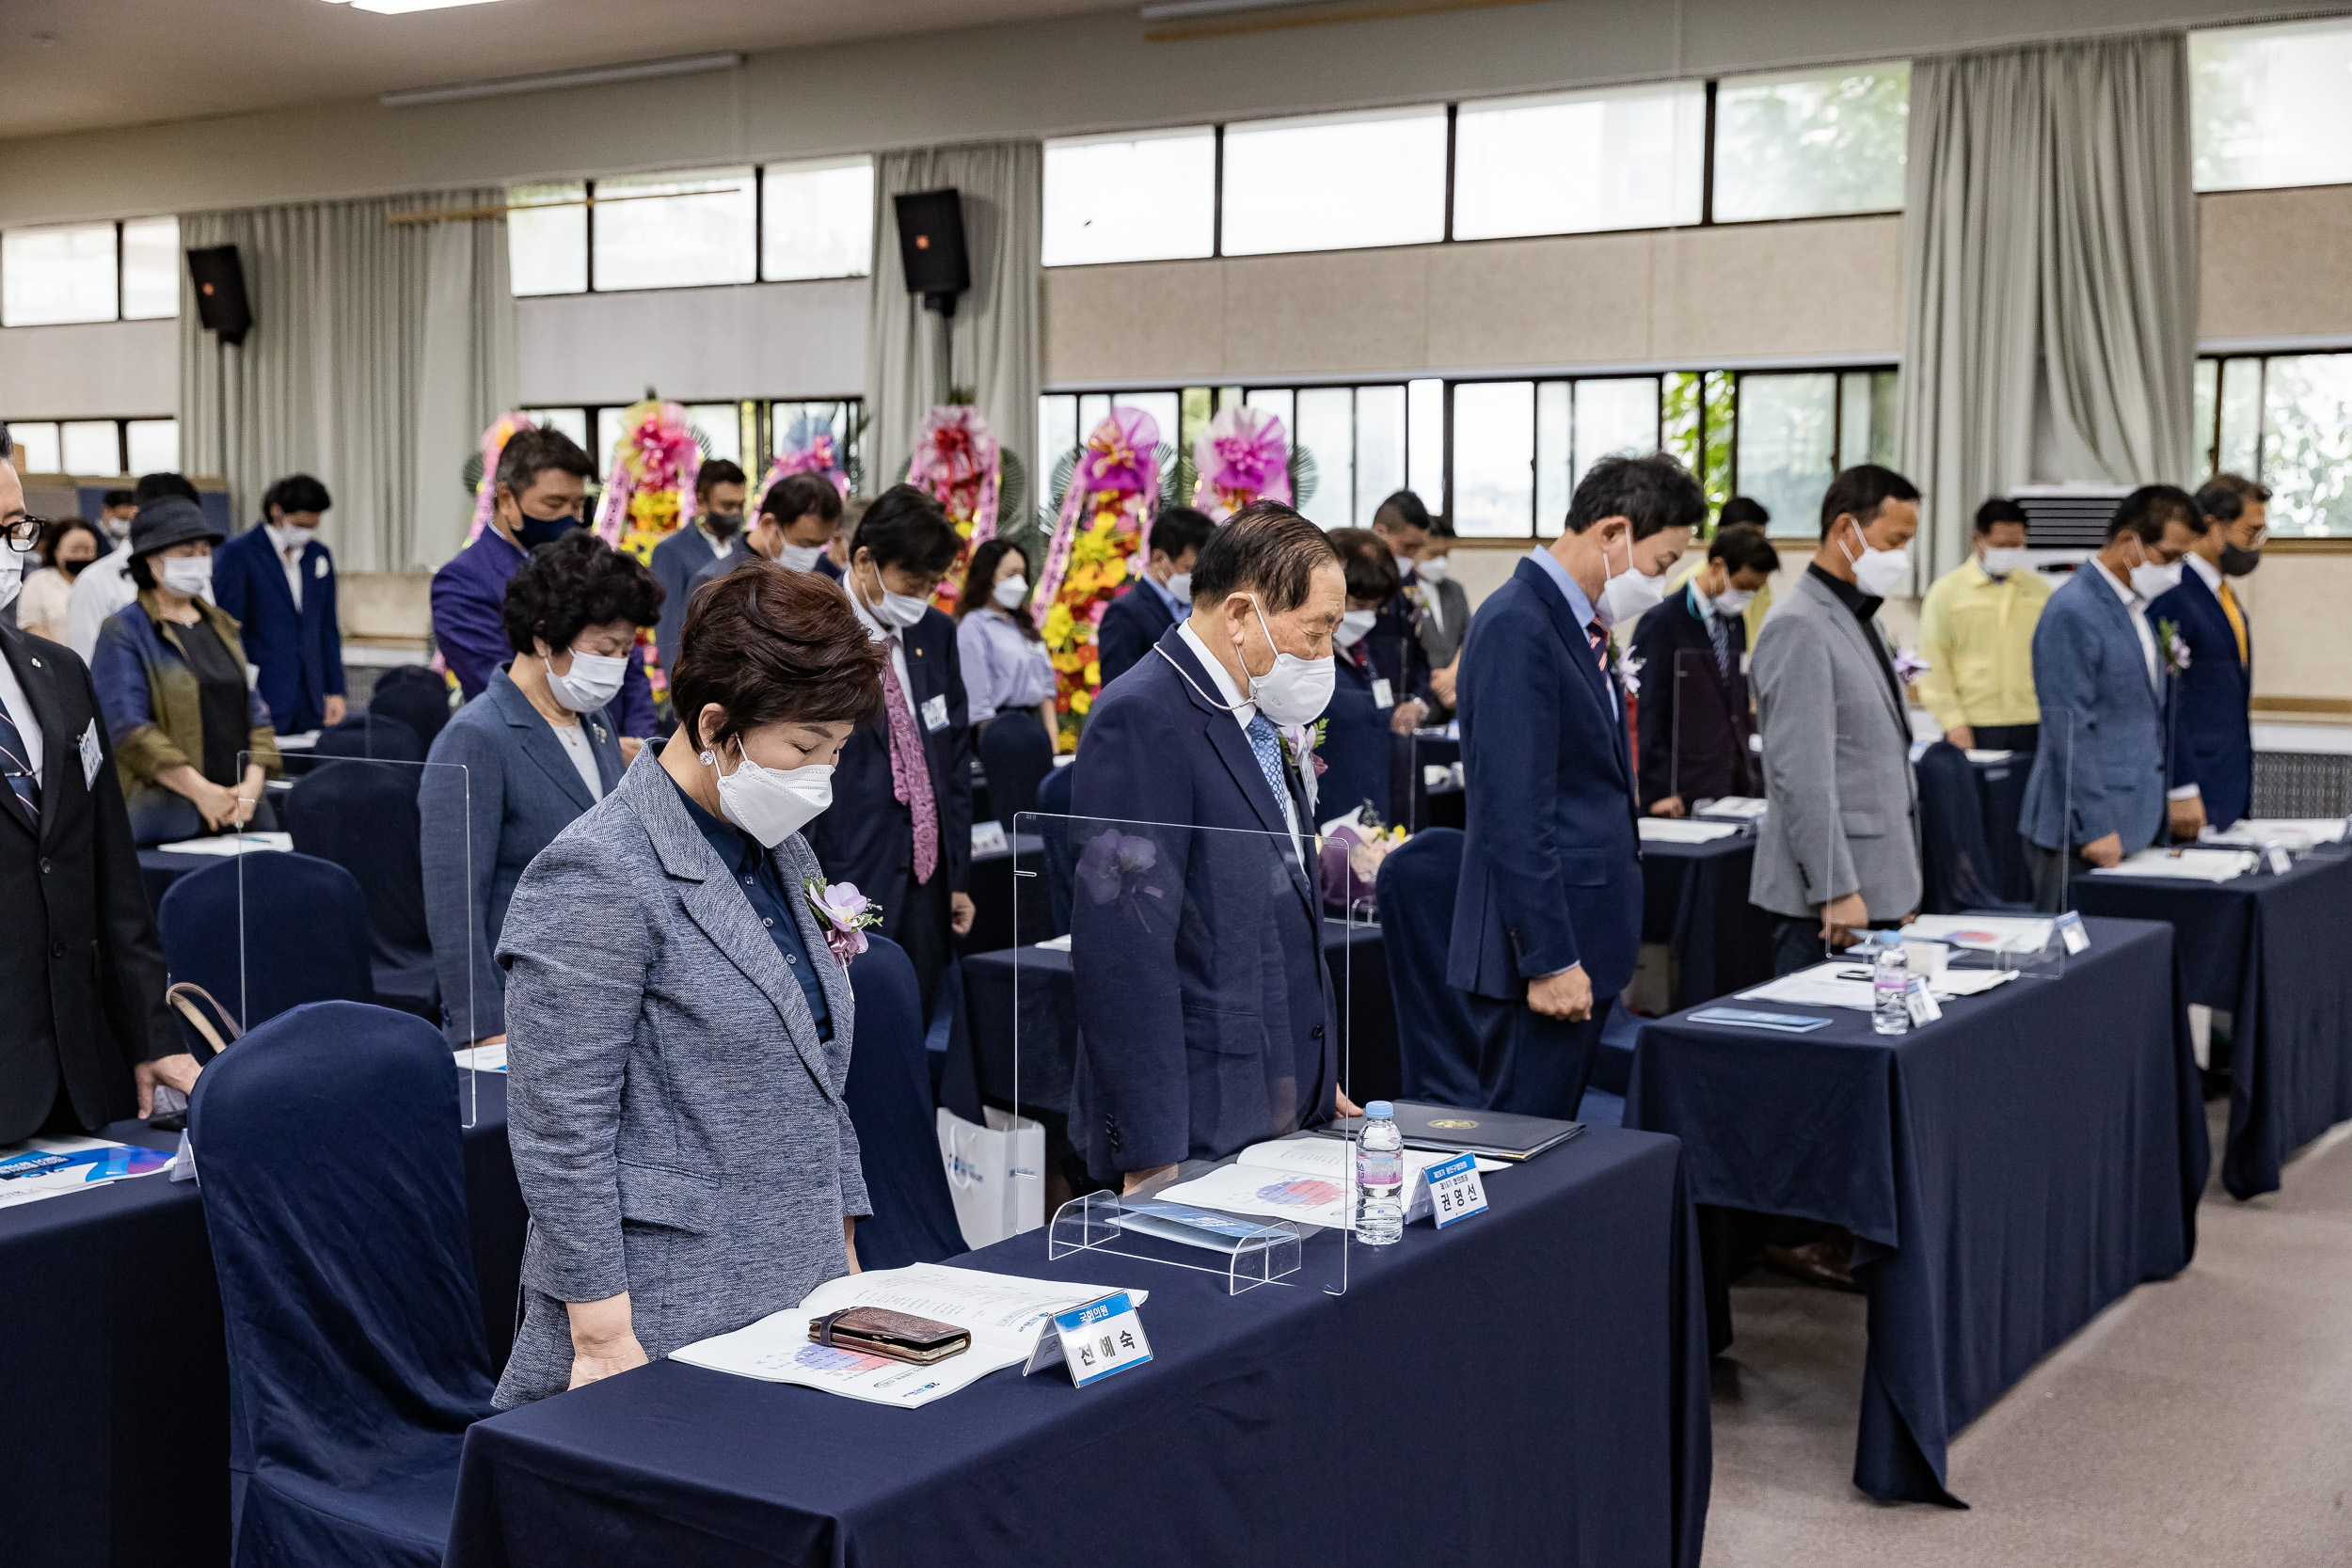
(2209,437)
(119,291)
(121,421)
(755,416)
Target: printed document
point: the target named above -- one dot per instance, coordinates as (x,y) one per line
(1311,1180)
(1849,984)
(50,1167)
(1666,829)
(2196,865)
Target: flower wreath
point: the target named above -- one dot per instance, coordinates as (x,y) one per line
(957,460)
(1243,456)
(1097,545)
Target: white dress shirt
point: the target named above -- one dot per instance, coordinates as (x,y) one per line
(104,587)
(288,543)
(2136,609)
(1243,710)
(876,632)
(20,714)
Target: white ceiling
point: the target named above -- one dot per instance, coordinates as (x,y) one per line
(74,65)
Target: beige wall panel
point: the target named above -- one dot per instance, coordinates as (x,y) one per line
(1831,286)
(389,604)
(99,369)
(1146,321)
(1328,312)
(2275,263)
(2302,647)
(1576,299)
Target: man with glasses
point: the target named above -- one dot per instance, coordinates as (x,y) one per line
(2211,730)
(85,1037)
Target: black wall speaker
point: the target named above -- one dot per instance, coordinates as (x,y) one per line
(220,299)
(930,246)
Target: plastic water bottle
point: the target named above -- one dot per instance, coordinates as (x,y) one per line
(1890,984)
(1379,1177)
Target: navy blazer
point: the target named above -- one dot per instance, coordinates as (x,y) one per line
(1204,1005)
(1131,624)
(496,776)
(2212,732)
(1551,862)
(1395,648)
(1707,710)
(1358,745)
(469,599)
(2099,767)
(299,650)
(675,561)
(866,836)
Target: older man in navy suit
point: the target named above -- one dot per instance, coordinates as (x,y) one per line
(1204,1007)
(1139,617)
(1547,915)
(2097,790)
(279,583)
(2212,742)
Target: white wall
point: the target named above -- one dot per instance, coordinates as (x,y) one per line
(760,340)
(105,370)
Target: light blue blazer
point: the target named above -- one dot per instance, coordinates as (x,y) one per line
(503,776)
(2099,766)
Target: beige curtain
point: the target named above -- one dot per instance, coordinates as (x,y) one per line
(379,353)
(2050,256)
(996,350)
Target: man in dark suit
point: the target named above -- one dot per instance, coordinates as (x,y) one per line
(1694,719)
(1141,615)
(2213,734)
(900,825)
(718,524)
(1548,916)
(1393,643)
(1205,1005)
(798,518)
(278,582)
(84,1036)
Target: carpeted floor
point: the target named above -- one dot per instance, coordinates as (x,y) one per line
(2204,1420)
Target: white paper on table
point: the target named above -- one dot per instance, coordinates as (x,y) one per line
(2196,865)
(2296,833)
(1983,933)
(29,1171)
(302,740)
(231,844)
(482,1059)
(1741,808)
(1055,944)
(1667,830)
(1847,985)
(1311,1180)
(1001,1312)
(1987,756)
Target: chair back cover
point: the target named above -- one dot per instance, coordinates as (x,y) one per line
(1061,859)
(304,934)
(1017,757)
(334,1196)
(415,695)
(1960,870)
(1438,1048)
(370,735)
(889,1094)
(363,817)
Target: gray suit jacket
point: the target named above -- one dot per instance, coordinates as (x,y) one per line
(1845,811)
(678,1129)
(500,784)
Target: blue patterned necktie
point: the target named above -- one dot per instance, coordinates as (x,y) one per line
(16,764)
(1716,635)
(1268,743)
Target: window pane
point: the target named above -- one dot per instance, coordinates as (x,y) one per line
(1280,402)
(1093,408)
(571,421)
(1784,439)
(1056,436)
(1799,146)
(608,440)
(1162,406)
(151,269)
(2241,416)
(36,448)
(1335,183)
(154,445)
(720,427)
(1424,429)
(1130,198)
(1625,159)
(91,447)
(58,275)
(1494,456)
(2208,390)
(1616,415)
(546,245)
(1554,455)
(1327,432)
(819,220)
(675,230)
(2307,442)
(1379,448)
(2267,105)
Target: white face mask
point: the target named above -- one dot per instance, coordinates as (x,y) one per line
(1629,592)
(800,557)
(1432,570)
(1295,691)
(1009,592)
(1998,560)
(189,575)
(11,576)
(595,680)
(1180,584)
(770,804)
(896,610)
(2150,582)
(1734,601)
(1876,570)
(1353,626)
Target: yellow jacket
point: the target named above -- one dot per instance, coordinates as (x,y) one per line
(1977,636)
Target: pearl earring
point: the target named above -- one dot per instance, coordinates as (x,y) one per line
(709,759)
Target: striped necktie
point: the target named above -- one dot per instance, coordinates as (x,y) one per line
(16,765)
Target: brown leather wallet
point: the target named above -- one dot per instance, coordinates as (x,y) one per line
(898,1336)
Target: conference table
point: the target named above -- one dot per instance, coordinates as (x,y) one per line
(1529,1386)
(1694,900)
(113,1372)
(2006,1170)
(2270,950)
(1004,901)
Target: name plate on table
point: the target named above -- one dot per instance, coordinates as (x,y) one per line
(2073,932)
(2275,856)
(988,838)
(1920,1003)
(1455,1191)
(1093,1341)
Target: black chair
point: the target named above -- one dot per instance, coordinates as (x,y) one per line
(1960,872)
(363,816)
(1017,756)
(1438,1047)
(264,932)
(334,1189)
(416,696)
(1061,854)
(370,735)
(889,1095)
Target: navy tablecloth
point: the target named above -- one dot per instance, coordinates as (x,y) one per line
(1530,1386)
(1694,899)
(113,1370)
(160,868)
(997,894)
(2275,952)
(2008,1170)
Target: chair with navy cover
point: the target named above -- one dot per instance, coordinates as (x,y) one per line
(1437,1042)
(370,734)
(334,1189)
(1017,757)
(1061,857)
(1961,873)
(363,816)
(304,925)
(889,1095)
(415,695)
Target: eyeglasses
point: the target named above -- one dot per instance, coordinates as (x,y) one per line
(23,533)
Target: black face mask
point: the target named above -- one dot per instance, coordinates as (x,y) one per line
(2236,562)
(723,524)
(536,531)
(71,568)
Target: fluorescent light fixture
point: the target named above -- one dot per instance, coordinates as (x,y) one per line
(402,8)
(1188,10)
(595,76)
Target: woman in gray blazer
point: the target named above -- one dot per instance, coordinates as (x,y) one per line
(678,1030)
(524,758)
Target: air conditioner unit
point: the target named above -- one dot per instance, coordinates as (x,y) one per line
(2067,523)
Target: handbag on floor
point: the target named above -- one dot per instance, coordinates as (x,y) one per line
(995,1174)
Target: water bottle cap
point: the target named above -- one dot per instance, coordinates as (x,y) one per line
(1380,1110)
